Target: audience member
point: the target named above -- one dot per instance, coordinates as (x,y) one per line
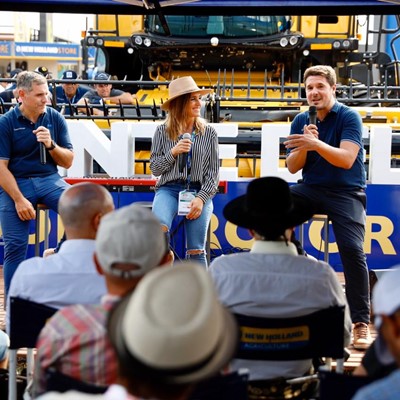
(43,71)
(103,93)
(4,345)
(4,373)
(69,276)
(168,335)
(386,307)
(130,242)
(329,151)
(273,280)
(9,96)
(3,84)
(28,133)
(68,93)
(373,365)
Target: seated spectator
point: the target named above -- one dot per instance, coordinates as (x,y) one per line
(68,93)
(168,334)
(4,345)
(69,276)
(4,84)
(103,93)
(43,71)
(273,280)
(10,95)
(386,306)
(130,242)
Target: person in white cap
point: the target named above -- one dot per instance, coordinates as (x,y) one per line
(184,157)
(386,308)
(129,243)
(169,334)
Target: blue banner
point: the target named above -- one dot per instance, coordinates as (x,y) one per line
(42,49)
(382,242)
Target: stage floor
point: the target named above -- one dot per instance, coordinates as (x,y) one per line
(350,364)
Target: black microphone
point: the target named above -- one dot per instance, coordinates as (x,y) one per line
(312,112)
(182,159)
(42,153)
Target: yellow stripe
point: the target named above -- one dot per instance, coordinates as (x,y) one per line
(321,46)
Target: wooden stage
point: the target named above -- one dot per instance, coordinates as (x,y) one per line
(350,364)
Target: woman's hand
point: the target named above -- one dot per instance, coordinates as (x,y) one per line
(196,207)
(183,146)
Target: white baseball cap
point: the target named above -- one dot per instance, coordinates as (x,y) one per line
(130,235)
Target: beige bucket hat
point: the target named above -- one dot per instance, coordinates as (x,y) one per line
(181,86)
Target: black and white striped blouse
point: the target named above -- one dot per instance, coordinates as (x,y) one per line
(204,166)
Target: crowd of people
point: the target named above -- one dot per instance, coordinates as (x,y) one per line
(70,97)
(132,323)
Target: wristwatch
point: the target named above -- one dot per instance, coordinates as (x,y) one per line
(52,146)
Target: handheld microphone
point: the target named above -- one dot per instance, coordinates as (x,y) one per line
(182,159)
(42,153)
(312,112)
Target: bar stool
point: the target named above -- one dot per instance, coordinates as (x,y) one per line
(149,205)
(41,208)
(325,219)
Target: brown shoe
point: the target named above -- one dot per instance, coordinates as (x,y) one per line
(361,336)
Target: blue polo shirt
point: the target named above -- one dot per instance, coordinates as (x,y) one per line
(341,124)
(18,143)
(93,98)
(63,99)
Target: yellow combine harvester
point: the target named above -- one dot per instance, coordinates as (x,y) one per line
(254,64)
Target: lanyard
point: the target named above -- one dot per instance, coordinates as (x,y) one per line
(189,160)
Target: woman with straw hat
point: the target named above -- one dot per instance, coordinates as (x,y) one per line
(184,155)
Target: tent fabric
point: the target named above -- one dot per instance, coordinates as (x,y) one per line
(215,7)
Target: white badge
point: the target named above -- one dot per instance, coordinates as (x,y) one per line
(185,198)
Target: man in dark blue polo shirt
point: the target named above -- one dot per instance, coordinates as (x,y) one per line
(103,92)
(34,140)
(329,151)
(69,93)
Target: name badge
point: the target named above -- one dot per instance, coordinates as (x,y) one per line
(185,198)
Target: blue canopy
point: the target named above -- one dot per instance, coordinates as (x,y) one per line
(209,7)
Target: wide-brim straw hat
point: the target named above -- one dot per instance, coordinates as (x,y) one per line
(181,86)
(172,327)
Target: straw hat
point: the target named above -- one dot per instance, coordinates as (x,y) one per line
(172,327)
(181,86)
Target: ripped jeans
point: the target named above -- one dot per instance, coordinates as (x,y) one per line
(165,207)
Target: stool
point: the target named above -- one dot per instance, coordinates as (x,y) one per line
(325,219)
(39,209)
(149,204)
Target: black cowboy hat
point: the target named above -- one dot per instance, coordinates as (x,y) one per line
(268,206)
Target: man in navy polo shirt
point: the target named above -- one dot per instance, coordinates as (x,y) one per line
(103,92)
(329,151)
(34,140)
(69,93)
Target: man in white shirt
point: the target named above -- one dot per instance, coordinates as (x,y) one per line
(273,280)
(69,276)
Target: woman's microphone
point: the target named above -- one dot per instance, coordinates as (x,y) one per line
(182,158)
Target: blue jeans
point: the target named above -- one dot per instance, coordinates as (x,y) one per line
(46,190)
(165,207)
(346,210)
